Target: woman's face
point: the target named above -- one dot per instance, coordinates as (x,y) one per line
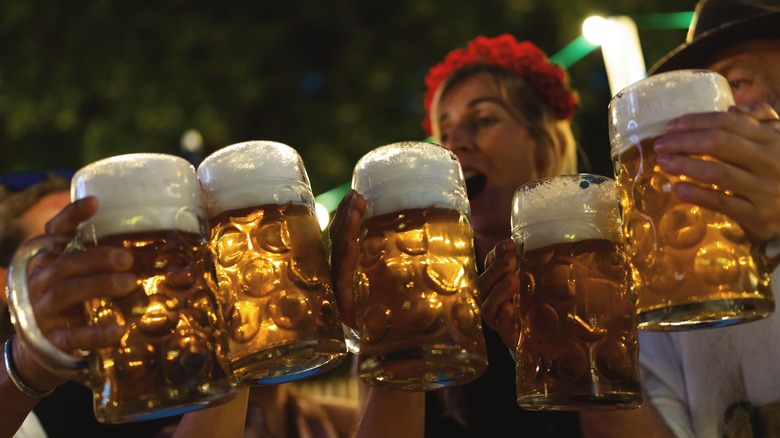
(494,146)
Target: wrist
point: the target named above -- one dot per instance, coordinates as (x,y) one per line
(29,377)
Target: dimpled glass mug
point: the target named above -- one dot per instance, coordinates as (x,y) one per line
(691,267)
(271,263)
(415,289)
(578,347)
(173,357)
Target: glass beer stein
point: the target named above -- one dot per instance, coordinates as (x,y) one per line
(578,347)
(415,288)
(691,267)
(173,356)
(272,268)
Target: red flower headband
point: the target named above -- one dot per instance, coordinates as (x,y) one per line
(546,79)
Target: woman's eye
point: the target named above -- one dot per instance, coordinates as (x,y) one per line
(485,121)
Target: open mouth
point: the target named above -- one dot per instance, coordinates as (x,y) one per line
(475,183)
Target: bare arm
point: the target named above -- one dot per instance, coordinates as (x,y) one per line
(392,414)
(644,421)
(225,420)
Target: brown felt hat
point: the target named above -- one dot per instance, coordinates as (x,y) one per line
(717,23)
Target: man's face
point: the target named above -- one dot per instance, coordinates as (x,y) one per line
(753,70)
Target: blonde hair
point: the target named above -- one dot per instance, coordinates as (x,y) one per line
(557,148)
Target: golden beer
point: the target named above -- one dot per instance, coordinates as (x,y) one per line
(578,347)
(272,269)
(416,301)
(691,267)
(173,355)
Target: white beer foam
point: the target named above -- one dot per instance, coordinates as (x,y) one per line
(560,210)
(254,173)
(408,175)
(641,110)
(140,192)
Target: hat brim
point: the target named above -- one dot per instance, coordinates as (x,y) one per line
(700,52)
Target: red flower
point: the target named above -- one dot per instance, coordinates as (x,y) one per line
(546,79)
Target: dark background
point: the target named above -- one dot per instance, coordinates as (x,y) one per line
(81,80)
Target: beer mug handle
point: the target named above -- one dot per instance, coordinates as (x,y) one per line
(49,356)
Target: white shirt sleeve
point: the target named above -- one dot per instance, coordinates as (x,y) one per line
(31,428)
(664,381)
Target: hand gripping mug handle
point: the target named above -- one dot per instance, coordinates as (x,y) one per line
(49,356)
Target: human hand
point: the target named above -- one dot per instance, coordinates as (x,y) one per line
(498,285)
(344,231)
(58,285)
(745,145)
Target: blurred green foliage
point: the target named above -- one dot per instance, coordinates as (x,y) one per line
(84,79)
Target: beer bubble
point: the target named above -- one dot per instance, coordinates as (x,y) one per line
(180,278)
(231,245)
(289,309)
(612,265)
(105,312)
(304,280)
(204,308)
(569,362)
(422,314)
(413,242)
(527,288)
(159,316)
(542,257)
(258,277)
(244,321)
(329,310)
(683,226)
(613,361)
(728,229)
(651,192)
(463,312)
(558,280)
(376,321)
(401,272)
(543,321)
(717,265)
(188,357)
(372,249)
(136,362)
(640,235)
(667,274)
(446,275)
(272,236)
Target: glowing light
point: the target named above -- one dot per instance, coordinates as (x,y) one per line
(595,29)
(323,217)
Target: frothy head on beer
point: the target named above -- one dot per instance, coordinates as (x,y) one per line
(641,110)
(566,208)
(141,192)
(254,173)
(409,175)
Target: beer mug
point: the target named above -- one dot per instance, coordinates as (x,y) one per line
(415,288)
(578,347)
(691,267)
(272,268)
(173,356)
